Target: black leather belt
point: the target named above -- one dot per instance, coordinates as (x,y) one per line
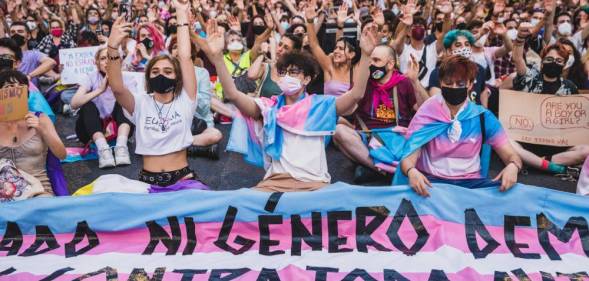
(166,178)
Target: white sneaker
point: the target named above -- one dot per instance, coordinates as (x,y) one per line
(122,155)
(105,159)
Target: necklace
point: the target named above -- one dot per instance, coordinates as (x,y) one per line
(163,120)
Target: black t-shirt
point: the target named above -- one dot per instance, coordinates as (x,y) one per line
(550,87)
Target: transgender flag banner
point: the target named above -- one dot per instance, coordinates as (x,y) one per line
(342,232)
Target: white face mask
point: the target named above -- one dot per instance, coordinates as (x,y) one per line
(395,10)
(197,26)
(534,22)
(464,51)
(290,85)
(482,40)
(565,29)
(512,34)
(31,25)
(570,62)
(235,46)
(213,14)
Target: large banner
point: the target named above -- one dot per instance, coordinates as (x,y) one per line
(545,119)
(77,62)
(342,232)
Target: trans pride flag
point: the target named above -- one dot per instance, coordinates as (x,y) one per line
(312,115)
(340,232)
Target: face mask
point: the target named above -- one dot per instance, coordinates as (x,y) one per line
(57,32)
(161,4)
(454,96)
(461,26)
(565,29)
(147,43)
(464,51)
(172,29)
(482,40)
(350,21)
(570,62)
(197,26)
(534,22)
(6,63)
(377,73)
(235,46)
(162,84)
(31,25)
(439,26)
(384,40)
(512,34)
(284,25)
(258,29)
(395,10)
(500,20)
(8,22)
(18,39)
(93,20)
(290,85)
(418,33)
(552,70)
(212,14)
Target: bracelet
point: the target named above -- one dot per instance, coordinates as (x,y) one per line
(408,170)
(111,47)
(340,27)
(114,58)
(182,24)
(310,21)
(516,165)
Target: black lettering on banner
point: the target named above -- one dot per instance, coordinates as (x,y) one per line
(158,234)
(56,274)
(521,275)
(268,274)
(264,222)
(501,276)
(221,241)
(188,274)
(321,272)
(358,273)
(111,274)
(190,236)
(43,235)
(393,275)
(564,235)
(546,276)
(332,230)
(509,231)
(579,276)
(437,275)
(474,225)
(301,233)
(139,274)
(364,232)
(273,201)
(406,209)
(7,271)
(12,237)
(82,230)
(232,274)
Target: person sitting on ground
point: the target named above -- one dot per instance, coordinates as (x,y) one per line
(149,43)
(291,143)
(34,63)
(545,80)
(447,134)
(163,114)
(99,111)
(206,136)
(26,142)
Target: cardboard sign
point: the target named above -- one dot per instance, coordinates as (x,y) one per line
(545,119)
(13,103)
(77,62)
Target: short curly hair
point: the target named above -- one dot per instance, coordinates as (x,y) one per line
(301,60)
(453,35)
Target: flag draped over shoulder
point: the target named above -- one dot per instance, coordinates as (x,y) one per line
(312,115)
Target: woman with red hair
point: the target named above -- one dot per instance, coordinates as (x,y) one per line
(149,43)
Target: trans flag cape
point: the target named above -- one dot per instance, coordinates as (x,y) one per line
(340,232)
(583,184)
(429,122)
(312,115)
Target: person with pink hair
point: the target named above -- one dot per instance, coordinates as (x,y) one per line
(149,43)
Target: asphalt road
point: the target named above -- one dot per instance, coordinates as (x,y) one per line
(231,172)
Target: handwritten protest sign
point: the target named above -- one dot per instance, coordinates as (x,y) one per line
(13,103)
(545,119)
(341,232)
(77,62)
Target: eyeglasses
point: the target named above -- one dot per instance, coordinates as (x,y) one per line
(290,72)
(551,60)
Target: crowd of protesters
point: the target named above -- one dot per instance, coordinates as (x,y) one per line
(405,89)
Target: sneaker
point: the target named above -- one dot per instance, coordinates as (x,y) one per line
(67,109)
(122,155)
(105,159)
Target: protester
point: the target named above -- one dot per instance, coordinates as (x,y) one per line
(59,38)
(26,142)
(163,114)
(100,114)
(149,43)
(33,63)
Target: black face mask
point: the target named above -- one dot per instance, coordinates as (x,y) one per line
(20,40)
(377,73)
(258,29)
(172,29)
(6,63)
(552,69)
(148,43)
(454,96)
(439,26)
(461,26)
(162,84)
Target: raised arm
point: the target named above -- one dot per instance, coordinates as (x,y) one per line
(518,49)
(255,52)
(322,58)
(213,47)
(119,31)
(184,48)
(402,28)
(256,70)
(501,31)
(550,8)
(421,95)
(348,101)
(446,8)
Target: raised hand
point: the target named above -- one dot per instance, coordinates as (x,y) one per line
(233,23)
(412,69)
(310,12)
(378,17)
(549,6)
(342,14)
(524,30)
(500,29)
(369,39)
(445,7)
(269,20)
(119,31)
(215,40)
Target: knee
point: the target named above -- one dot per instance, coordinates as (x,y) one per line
(341,131)
(583,151)
(215,135)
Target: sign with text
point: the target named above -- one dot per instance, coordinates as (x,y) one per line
(341,232)
(545,119)
(77,62)
(13,103)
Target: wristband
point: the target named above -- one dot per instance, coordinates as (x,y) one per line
(181,25)
(408,170)
(310,21)
(111,47)
(516,165)
(340,27)
(114,58)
